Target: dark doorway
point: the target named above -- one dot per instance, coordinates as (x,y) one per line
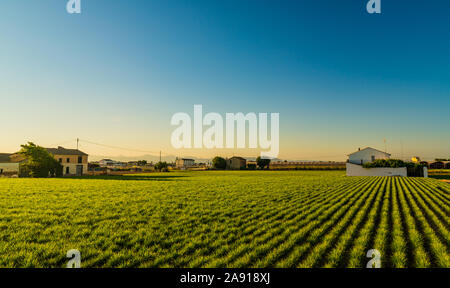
(79,170)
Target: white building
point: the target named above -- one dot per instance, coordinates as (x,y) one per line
(358,170)
(367,155)
(10,163)
(111,163)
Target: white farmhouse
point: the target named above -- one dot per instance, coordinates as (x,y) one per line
(367,155)
(10,163)
(110,163)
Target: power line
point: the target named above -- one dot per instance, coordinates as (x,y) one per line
(120,148)
(62,143)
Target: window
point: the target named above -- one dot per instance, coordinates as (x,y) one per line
(68,160)
(60,160)
(80,159)
(67,170)
(373,158)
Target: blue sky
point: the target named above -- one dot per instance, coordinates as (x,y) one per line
(339,77)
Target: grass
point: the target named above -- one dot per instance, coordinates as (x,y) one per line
(225,219)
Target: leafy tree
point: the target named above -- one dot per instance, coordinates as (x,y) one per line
(219,163)
(262,162)
(40,163)
(161,167)
(142,162)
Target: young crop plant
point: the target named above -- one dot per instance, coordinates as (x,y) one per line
(421,258)
(225,219)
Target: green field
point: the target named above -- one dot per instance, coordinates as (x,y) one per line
(225,219)
(442,174)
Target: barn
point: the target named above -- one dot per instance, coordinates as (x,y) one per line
(367,155)
(184,163)
(236,163)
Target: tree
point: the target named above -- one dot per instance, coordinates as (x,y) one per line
(161,167)
(40,163)
(251,166)
(142,163)
(262,162)
(219,163)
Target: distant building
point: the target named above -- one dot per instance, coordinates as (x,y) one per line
(112,163)
(74,162)
(367,155)
(354,166)
(437,165)
(106,162)
(183,163)
(236,163)
(10,163)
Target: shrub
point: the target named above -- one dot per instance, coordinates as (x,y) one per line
(262,163)
(251,166)
(391,163)
(161,167)
(40,163)
(219,163)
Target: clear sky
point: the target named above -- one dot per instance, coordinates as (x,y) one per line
(339,77)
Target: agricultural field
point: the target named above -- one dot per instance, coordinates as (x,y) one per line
(225,219)
(441,174)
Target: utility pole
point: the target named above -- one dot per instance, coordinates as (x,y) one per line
(385,149)
(160,156)
(401,149)
(78,140)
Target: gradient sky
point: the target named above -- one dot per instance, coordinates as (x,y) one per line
(339,77)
